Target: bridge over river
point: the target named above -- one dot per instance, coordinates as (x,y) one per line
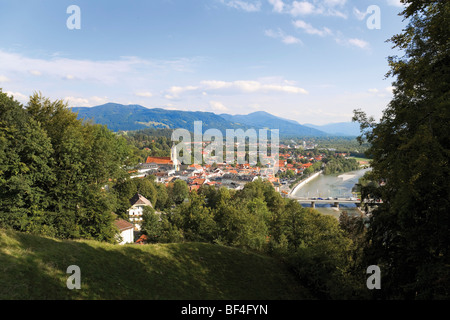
(331,194)
(335,201)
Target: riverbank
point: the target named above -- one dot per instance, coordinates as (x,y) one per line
(301,183)
(334,186)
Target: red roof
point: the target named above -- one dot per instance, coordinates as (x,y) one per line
(159,160)
(142,239)
(123,225)
(199,181)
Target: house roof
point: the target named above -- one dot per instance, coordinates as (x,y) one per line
(159,160)
(199,181)
(139,199)
(123,224)
(142,239)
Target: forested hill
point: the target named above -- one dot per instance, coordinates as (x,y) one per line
(119,117)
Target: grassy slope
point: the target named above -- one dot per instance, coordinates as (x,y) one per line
(33,267)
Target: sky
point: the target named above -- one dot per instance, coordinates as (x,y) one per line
(313,61)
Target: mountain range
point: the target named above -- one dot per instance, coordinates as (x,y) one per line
(118,117)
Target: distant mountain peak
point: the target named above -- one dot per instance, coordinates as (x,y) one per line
(134,117)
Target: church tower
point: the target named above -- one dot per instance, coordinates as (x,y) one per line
(174,157)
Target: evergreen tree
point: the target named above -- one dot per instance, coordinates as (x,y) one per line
(409,232)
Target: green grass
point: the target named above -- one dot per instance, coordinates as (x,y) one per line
(34,267)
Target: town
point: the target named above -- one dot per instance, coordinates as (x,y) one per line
(296,163)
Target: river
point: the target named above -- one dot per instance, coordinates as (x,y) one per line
(333,185)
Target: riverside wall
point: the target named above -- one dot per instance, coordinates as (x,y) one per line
(303,182)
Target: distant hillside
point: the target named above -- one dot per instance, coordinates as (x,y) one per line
(338,128)
(263,119)
(134,117)
(34,268)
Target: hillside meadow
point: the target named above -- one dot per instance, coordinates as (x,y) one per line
(34,268)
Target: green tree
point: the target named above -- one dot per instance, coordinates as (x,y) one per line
(409,233)
(195,219)
(162,197)
(151,225)
(321,255)
(57,169)
(25,170)
(178,191)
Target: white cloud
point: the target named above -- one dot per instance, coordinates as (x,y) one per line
(218,106)
(169,97)
(77,102)
(243,5)
(239,86)
(249,86)
(103,71)
(373,90)
(85,102)
(4,79)
(395,3)
(354,42)
(287,39)
(98,100)
(308,28)
(145,94)
(35,73)
(302,8)
(215,84)
(390,89)
(18,96)
(335,13)
(334,3)
(358,43)
(324,7)
(176,91)
(278,5)
(360,15)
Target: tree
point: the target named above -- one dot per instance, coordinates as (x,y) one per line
(25,169)
(195,219)
(178,191)
(162,197)
(151,225)
(409,233)
(54,170)
(320,257)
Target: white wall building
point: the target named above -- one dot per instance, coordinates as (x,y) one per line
(138,202)
(126,231)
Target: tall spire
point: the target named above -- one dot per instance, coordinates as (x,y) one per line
(173,156)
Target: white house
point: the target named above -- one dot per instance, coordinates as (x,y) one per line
(126,231)
(138,202)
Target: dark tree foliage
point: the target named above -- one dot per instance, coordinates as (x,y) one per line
(54,169)
(409,233)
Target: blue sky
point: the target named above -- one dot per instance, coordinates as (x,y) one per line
(313,61)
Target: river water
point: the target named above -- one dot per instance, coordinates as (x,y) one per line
(333,185)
